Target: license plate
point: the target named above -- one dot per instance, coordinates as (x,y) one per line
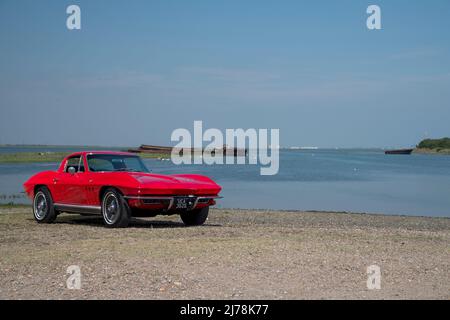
(184,203)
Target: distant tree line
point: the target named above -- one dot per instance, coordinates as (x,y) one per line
(443,143)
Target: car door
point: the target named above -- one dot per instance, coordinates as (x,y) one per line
(70,184)
(97,170)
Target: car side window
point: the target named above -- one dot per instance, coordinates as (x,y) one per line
(100,165)
(74,162)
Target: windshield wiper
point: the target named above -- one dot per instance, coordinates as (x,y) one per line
(126,169)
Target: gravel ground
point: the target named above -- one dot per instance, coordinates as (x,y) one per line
(238,254)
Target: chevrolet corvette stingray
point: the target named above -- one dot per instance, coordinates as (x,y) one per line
(118,186)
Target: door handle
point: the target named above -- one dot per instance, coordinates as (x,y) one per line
(55,180)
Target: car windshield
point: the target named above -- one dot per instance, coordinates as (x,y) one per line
(113,162)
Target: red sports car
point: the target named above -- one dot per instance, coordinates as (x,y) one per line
(117,185)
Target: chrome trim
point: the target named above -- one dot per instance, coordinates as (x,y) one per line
(172,199)
(79,163)
(77,208)
(195,203)
(147,198)
(198,198)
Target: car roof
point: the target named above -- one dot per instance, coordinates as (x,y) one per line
(85,153)
(120,153)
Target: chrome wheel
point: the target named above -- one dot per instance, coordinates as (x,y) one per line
(111,208)
(115,210)
(40,205)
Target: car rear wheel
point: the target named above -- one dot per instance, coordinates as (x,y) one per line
(43,209)
(195,217)
(115,210)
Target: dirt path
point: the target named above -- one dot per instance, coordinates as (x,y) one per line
(239,255)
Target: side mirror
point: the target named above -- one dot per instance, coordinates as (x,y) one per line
(71,170)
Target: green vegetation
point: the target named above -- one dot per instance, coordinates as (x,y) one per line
(443,143)
(36,157)
(154,155)
(30,157)
(13,205)
(441,146)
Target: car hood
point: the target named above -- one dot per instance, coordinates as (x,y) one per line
(175,184)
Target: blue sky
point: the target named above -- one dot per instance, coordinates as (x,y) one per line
(137,70)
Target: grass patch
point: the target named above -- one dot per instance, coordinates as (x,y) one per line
(13,205)
(40,157)
(30,157)
(154,155)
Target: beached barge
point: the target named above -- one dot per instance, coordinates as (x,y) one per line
(399,151)
(225,150)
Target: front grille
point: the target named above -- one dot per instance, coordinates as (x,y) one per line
(181,202)
(155,201)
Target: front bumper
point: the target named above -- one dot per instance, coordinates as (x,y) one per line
(171,202)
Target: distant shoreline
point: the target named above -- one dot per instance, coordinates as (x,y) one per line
(43,157)
(431,151)
(8,145)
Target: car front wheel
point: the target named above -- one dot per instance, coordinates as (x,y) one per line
(115,210)
(43,209)
(195,217)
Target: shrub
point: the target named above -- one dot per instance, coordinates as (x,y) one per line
(443,143)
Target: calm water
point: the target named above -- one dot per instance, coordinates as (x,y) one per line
(334,180)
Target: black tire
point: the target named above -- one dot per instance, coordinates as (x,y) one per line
(43,209)
(115,209)
(195,217)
